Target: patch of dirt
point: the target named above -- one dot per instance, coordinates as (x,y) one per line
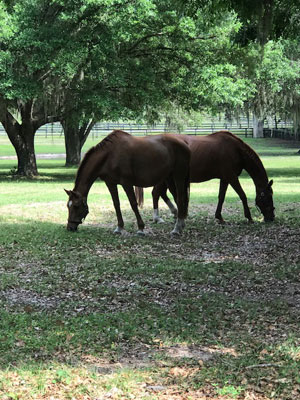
(149,357)
(27,298)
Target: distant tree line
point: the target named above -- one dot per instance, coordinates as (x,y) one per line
(83,61)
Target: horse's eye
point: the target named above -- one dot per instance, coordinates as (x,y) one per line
(262,194)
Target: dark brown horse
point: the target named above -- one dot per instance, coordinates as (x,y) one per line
(223,155)
(130,161)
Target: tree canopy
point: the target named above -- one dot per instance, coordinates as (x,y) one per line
(80,61)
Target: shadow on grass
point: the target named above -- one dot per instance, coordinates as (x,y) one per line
(53,171)
(68,175)
(70,297)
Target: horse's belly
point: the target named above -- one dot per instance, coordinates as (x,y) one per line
(151,176)
(201,175)
(148,171)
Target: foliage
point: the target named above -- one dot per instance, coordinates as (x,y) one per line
(82,61)
(276,79)
(114,60)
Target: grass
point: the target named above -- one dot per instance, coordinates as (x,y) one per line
(213,314)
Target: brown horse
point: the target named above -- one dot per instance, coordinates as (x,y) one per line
(223,155)
(130,161)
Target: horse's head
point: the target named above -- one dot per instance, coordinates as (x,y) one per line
(264,201)
(78,209)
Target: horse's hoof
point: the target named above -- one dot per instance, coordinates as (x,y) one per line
(158,221)
(140,233)
(221,222)
(250,221)
(175,233)
(118,231)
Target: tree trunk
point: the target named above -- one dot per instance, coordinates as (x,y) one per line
(296,119)
(72,143)
(265,21)
(258,126)
(21,136)
(26,155)
(75,137)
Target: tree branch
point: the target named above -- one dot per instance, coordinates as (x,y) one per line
(143,39)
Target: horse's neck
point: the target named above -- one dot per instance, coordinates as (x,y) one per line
(255,169)
(88,172)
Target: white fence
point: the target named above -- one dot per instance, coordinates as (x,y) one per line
(100,129)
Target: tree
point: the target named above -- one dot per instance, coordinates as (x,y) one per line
(114,59)
(157,61)
(28,49)
(264,59)
(43,44)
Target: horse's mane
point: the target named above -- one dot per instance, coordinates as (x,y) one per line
(109,139)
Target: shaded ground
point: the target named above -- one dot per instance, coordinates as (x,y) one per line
(220,304)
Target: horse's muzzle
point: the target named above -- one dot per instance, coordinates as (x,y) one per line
(72,227)
(269,219)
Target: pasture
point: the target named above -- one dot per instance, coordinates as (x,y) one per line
(213,314)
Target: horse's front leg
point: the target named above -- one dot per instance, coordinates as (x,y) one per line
(239,190)
(132,199)
(222,192)
(113,189)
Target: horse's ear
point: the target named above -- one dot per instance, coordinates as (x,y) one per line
(68,192)
(270,183)
(72,192)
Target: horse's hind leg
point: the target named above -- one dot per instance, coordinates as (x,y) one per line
(182,197)
(160,190)
(239,190)
(156,193)
(222,192)
(173,190)
(115,198)
(132,199)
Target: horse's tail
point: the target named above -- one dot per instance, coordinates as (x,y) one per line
(139,194)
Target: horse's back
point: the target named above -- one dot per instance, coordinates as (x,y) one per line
(167,145)
(144,161)
(217,155)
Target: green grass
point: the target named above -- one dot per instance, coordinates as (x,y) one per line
(50,145)
(212,314)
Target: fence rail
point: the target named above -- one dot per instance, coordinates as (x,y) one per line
(138,130)
(103,128)
(287,134)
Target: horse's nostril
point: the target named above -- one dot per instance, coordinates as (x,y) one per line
(71,228)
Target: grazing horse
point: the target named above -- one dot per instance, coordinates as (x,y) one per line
(132,161)
(223,155)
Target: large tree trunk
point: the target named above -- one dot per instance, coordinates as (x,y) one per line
(72,143)
(265,21)
(75,137)
(25,152)
(21,136)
